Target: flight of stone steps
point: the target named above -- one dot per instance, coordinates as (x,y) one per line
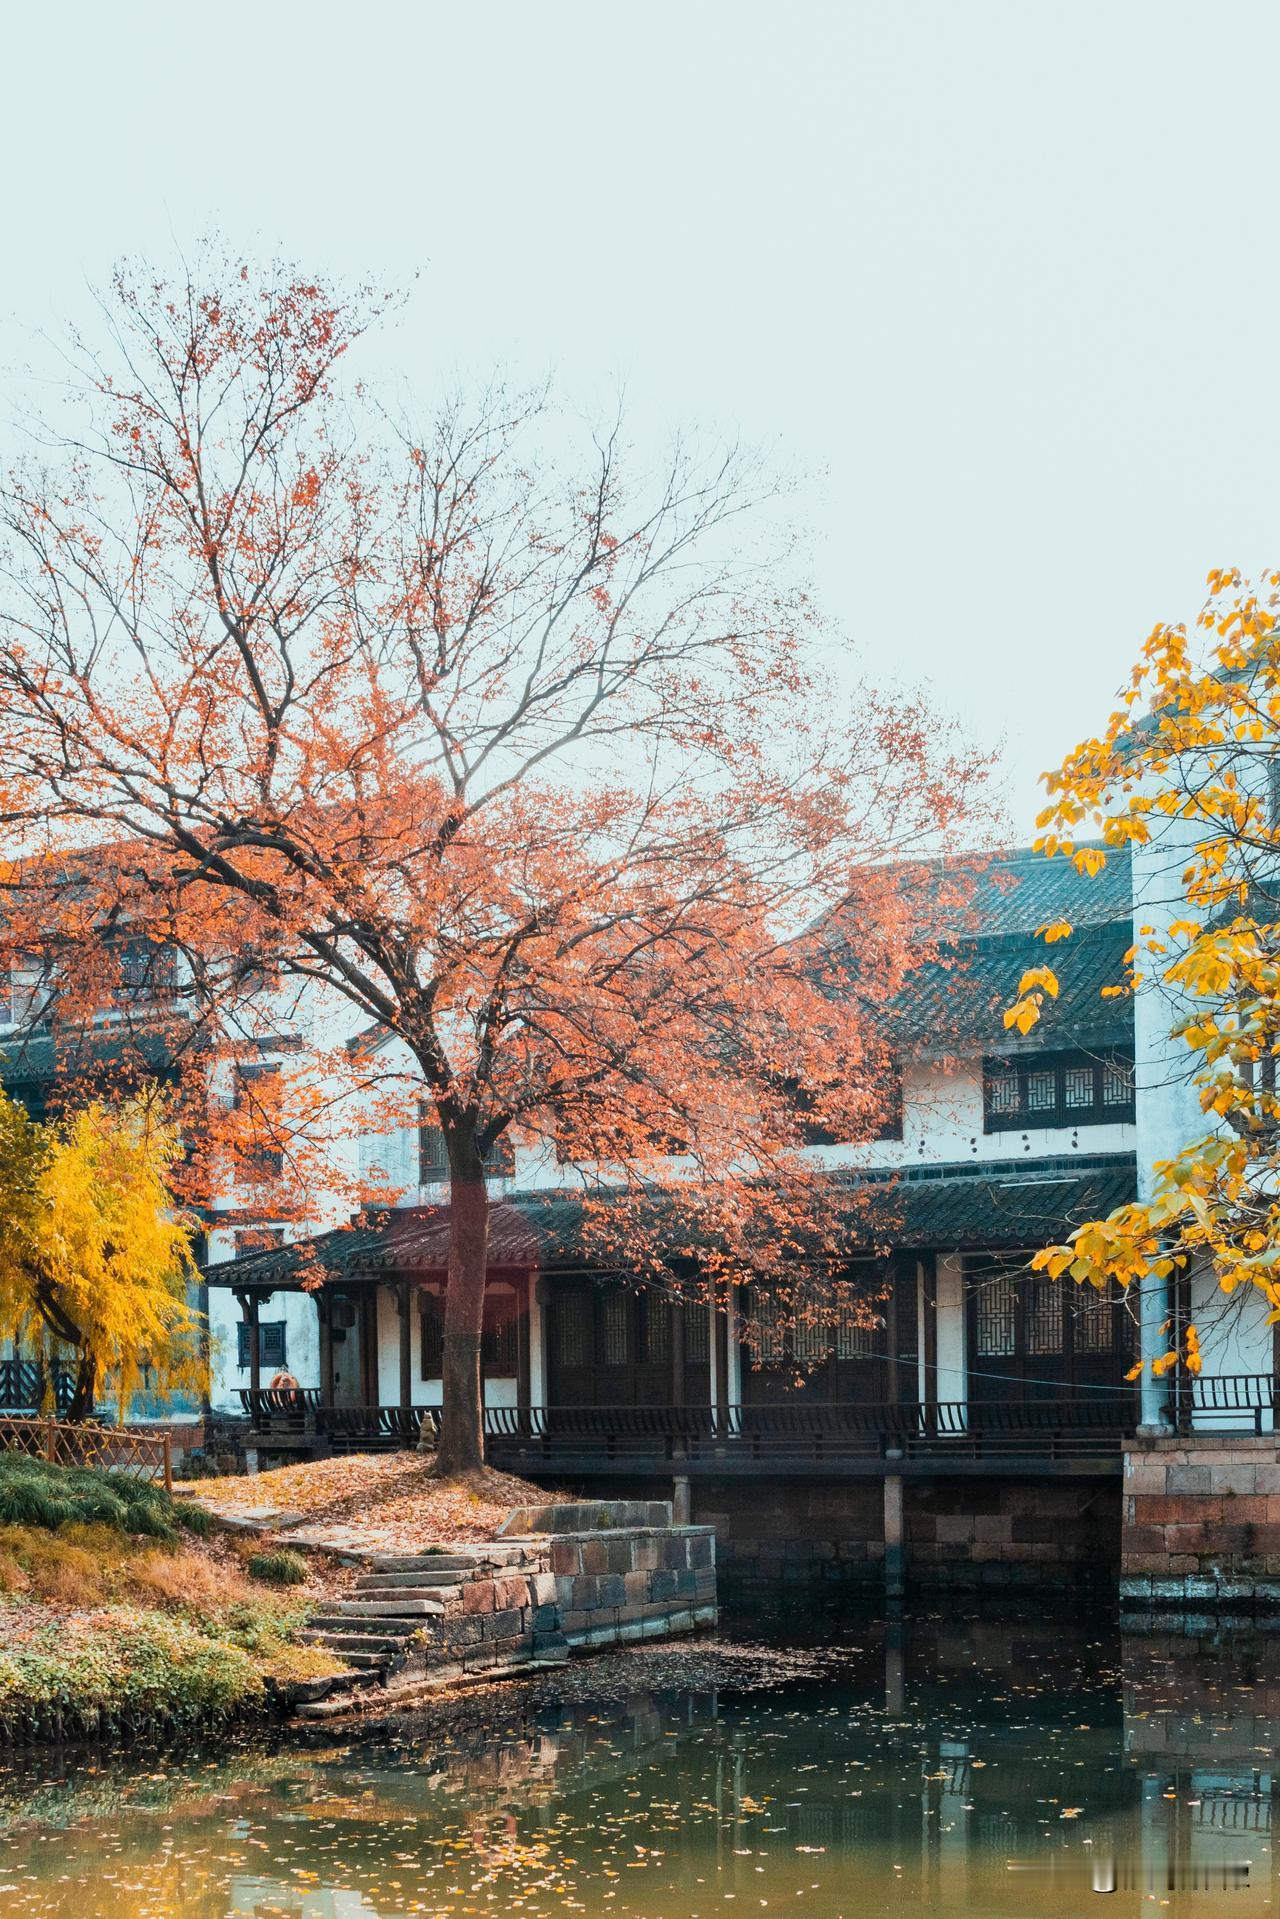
(371,1630)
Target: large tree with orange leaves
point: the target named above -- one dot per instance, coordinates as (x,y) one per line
(526,759)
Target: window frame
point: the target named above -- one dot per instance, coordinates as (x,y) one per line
(268,1331)
(1022,1117)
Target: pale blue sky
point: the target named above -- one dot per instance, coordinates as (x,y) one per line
(1000,275)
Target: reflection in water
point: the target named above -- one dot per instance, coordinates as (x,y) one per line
(945,1766)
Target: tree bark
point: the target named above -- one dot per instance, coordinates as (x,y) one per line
(86,1379)
(461,1447)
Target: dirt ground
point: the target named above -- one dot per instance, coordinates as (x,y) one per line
(391,1502)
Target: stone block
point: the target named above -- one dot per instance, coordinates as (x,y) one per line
(647,1551)
(637,1586)
(621,1553)
(478,1596)
(566,1556)
(543,1588)
(702,1551)
(595,1555)
(1186,1479)
(612,1589)
(663,1585)
(503,1625)
(544,1618)
(1236,1479)
(510,1591)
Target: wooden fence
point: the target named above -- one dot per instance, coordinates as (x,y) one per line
(121,1449)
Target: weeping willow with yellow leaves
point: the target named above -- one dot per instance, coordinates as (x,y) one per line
(1191,760)
(95,1257)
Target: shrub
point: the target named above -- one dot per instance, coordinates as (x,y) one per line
(278,1568)
(142,1673)
(34,1493)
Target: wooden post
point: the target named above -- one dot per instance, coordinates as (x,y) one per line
(168,1460)
(324,1311)
(255,1347)
(51,1440)
(405,1301)
(929,1271)
(677,1353)
(524,1352)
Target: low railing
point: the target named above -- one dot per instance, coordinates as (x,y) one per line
(1239,1402)
(813,1433)
(1084,1425)
(121,1449)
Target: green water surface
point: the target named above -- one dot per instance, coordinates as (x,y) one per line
(1011,1766)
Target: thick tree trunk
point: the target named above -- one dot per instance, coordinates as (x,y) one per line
(86,1379)
(461,1448)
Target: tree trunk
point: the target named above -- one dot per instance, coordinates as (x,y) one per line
(86,1378)
(461,1447)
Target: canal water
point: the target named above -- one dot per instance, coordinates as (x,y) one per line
(1010,1765)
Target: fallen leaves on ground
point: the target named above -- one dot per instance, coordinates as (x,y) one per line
(393,1501)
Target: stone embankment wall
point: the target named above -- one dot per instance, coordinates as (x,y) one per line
(958,1534)
(540,1596)
(1201,1523)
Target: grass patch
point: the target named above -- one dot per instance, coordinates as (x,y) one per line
(34,1493)
(143,1673)
(278,1569)
(112,1620)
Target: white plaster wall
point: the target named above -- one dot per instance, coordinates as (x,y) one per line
(1234,1335)
(1168,1109)
(423,1392)
(952,1374)
(942,1123)
(302,1343)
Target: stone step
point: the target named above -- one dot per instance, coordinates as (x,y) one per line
(379,1595)
(370,1661)
(383,1595)
(343,1642)
(411,1607)
(421,1563)
(349,1622)
(402,1580)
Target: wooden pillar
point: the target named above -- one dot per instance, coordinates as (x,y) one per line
(723,1330)
(324,1308)
(677,1353)
(369,1356)
(893,1385)
(249,1310)
(404,1304)
(524,1350)
(929,1271)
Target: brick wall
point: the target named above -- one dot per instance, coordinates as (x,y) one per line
(995,1534)
(965,1534)
(1201,1521)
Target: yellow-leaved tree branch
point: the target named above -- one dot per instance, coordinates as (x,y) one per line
(95,1256)
(1187,776)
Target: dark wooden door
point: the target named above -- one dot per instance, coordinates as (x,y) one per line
(613,1345)
(1031,1337)
(866,1359)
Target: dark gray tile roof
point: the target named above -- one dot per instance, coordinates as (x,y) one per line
(1019,1202)
(1013,892)
(957,1004)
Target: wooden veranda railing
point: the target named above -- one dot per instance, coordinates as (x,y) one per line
(22,1386)
(118,1449)
(1089,1424)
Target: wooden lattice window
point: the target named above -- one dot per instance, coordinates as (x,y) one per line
(271,1343)
(995,1303)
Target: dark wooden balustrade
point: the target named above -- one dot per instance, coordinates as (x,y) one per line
(22,1386)
(798,1434)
